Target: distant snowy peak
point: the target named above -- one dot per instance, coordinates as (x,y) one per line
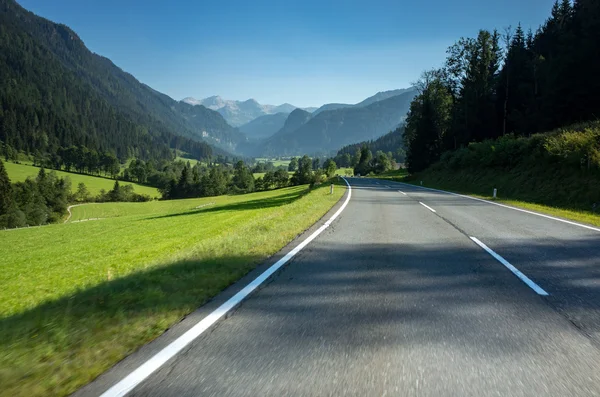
(191,101)
(238,113)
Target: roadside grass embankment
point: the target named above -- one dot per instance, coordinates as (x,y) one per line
(525,189)
(395,175)
(20,172)
(76,298)
(556,173)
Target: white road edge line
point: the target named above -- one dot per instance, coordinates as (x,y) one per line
(402,192)
(539,290)
(506,206)
(128,383)
(426,206)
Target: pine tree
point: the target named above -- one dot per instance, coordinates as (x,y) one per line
(6,192)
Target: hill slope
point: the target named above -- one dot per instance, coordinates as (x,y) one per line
(332,129)
(20,172)
(264,126)
(55,92)
(390,142)
(559,168)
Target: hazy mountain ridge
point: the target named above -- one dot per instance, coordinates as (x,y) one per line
(120,89)
(380,96)
(238,113)
(331,129)
(82,98)
(264,126)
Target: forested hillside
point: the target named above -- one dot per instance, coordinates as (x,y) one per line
(473,125)
(509,82)
(55,93)
(392,142)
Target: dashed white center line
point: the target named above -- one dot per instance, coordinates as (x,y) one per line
(400,191)
(426,206)
(539,290)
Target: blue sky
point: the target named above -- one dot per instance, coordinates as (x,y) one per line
(303,52)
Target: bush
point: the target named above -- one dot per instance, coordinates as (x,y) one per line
(557,168)
(565,148)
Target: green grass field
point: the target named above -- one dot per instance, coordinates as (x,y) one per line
(394,175)
(76,298)
(262,174)
(20,172)
(347,171)
(275,162)
(193,162)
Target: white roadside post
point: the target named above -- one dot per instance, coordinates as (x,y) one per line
(331,190)
(495,192)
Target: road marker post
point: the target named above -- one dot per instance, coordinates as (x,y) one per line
(495,191)
(331,189)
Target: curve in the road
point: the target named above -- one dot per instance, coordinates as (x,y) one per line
(155,362)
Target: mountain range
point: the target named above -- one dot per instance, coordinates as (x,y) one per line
(57,93)
(335,126)
(238,113)
(72,96)
(380,96)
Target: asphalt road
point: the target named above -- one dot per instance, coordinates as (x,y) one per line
(395,299)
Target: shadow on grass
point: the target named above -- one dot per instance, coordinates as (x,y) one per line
(276,201)
(187,283)
(404,304)
(67,342)
(60,345)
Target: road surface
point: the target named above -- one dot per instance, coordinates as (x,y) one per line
(397,298)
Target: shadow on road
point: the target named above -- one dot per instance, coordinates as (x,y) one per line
(348,293)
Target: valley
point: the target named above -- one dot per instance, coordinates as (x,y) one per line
(391,233)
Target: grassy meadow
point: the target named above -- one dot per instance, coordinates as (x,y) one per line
(76,298)
(275,162)
(345,171)
(20,172)
(262,174)
(193,162)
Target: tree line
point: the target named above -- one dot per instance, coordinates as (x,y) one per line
(392,144)
(511,82)
(183,180)
(33,202)
(45,198)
